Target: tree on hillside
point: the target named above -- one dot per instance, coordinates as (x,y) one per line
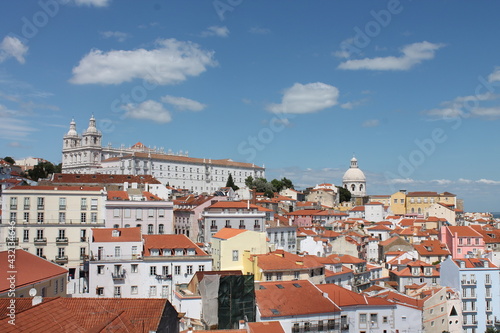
(42,170)
(9,159)
(249,181)
(344,194)
(230,183)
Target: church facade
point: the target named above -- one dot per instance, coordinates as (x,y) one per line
(86,154)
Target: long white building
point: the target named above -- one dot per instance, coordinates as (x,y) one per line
(85,154)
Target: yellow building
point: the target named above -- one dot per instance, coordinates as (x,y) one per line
(398,203)
(229,245)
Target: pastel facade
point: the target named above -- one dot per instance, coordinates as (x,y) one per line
(54,222)
(462,241)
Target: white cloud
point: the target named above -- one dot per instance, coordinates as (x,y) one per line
(148,110)
(95,3)
(464,181)
(12,47)
(182,103)
(260,31)
(171,62)
(118,35)
(465,106)
(306,98)
(215,31)
(371,123)
(442,181)
(413,54)
(488,182)
(11,128)
(495,76)
(353,104)
(402,181)
(342,54)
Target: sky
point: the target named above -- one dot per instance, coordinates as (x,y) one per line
(411,88)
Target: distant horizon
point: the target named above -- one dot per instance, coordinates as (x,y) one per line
(297,87)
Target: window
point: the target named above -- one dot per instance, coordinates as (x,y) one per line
(161,229)
(62,203)
(164,291)
(126,212)
(134,268)
(83,203)
(26,203)
(161,212)
(26,235)
(40,217)
(279,276)
(93,204)
(228,224)
(269,276)
(296,275)
(134,290)
(62,217)
(152,290)
(138,214)
(487,279)
(13,203)
(150,229)
(26,217)
(62,234)
(116,212)
(39,234)
(235,255)
(83,252)
(93,217)
(201,268)
(362,318)
(177,270)
(99,291)
(83,217)
(56,287)
(39,252)
(118,291)
(40,202)
(373,320)
(165,270)
(118,251)
(151,212)
(100,269)
(385,320)
(189,269)
(152,270)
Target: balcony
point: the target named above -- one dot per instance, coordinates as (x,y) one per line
(61,259)
(164,277)
(83,239)
(84,257)
(62,241)
(13,207)
(469,282)
(62,207)
(118,275)
(242,226)
(213,228)
(40,207)
(344,327)
(256,227)
(117,295)
(83,207)
(12,241)
(40,241)
(26,207)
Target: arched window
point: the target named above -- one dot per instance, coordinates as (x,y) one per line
(361,187)
(420,210)
(353,187)
(412,210)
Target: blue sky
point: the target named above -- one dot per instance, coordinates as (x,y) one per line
(412,88)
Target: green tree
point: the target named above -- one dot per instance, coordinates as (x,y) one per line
(344,194)
(277,185)
(9,159)
(41,170)
(287,183)
(249,181)
(230,183)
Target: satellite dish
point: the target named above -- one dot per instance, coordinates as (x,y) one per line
(32,292)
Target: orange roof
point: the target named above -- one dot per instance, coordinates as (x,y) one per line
(358,209)
(266,327)
(431,247)
(30,269)
(226,233)
(475,262)
(58,188)
(233,204)
(124,235)
(463,231)
(283,260)
(344,297)
(292,298)
(117,195)
(88,315)
(150,196)
(170,242)
(402,299)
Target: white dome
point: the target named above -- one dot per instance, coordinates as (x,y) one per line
(72,129)
(354,175)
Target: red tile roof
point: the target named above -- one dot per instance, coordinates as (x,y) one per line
(117,195)
(344,297)
(226,233)
(124,235)
(102,178)
(463,231)
(58,188)
(292,298)
(170,242)
(29,268)
(88,315)
(282,260)
(233,204)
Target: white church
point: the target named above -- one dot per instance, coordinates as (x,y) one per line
(85,154)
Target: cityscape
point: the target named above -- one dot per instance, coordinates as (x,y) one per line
(250,167)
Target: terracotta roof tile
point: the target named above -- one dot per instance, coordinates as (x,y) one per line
(170,242)
(121,234)
(226,233)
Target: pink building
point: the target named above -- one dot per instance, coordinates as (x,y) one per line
(462,241)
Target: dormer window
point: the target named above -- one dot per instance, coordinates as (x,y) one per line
(191,252)
(154,252)
(167,252)
(179,252)
(115,233)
